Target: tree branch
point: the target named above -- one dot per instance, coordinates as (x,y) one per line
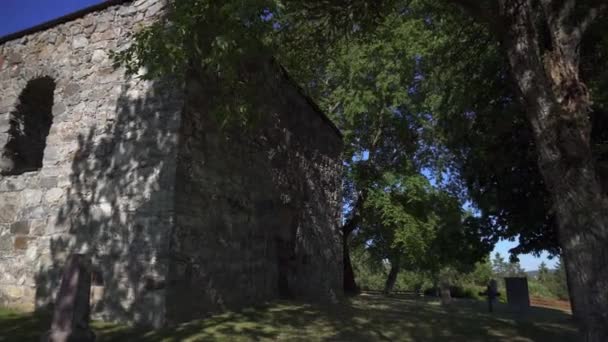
(473,7)
(352,222)
(484,14)
(593,13)
(565,28)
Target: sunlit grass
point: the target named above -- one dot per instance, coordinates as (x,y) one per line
(365,318)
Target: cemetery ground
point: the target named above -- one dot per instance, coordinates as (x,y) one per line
(368,317)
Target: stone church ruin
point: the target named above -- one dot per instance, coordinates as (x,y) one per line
(179,216)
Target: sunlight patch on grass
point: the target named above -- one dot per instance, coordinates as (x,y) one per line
(364,318)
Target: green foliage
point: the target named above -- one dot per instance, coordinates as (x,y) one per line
(398,219)
(406,220)
(558,281)
(504,269)
(371,273)
(481,274)
(484,131)
(550,283)
(202,34)
(540,289)
(543,272)
(224,43)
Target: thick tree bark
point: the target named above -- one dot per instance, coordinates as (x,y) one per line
(557,103)
(392,276)
(350,285)
(570,291)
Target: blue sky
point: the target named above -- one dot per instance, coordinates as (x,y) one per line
(528,262)
(16,15)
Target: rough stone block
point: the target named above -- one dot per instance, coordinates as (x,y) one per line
(80,42)
(21,242)
(58,109)
(6,243)
(21,227)
(38,227)
(48,182)
(14,291)
(31,197)
(99,56)
(8,212)
(14,58)
(17,184)
(53,195)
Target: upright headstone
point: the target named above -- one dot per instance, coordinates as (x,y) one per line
(446,296)
(492,293)
(72,306)
(517,293)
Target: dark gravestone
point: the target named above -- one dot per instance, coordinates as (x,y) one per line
(492,293)
(446,295)
(517,293)
(72,312)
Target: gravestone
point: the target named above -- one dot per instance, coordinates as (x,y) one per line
(72,307)
(492,293)
(446,296)
(517,293)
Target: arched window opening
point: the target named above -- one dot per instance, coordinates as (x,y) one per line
(30,124)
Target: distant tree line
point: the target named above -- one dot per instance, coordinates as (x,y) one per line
(543,283)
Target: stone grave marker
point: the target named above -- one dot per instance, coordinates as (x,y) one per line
(71,315)
(517,293)
(446,296)
(492,293)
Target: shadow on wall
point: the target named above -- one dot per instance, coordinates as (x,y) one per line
(119,203)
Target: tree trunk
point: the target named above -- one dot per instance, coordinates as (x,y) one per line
(350,285)
(392,276)
(557,103)
(570,291)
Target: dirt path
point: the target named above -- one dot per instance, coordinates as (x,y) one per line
(557,304)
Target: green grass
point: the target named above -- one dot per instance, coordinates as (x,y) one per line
(364,318)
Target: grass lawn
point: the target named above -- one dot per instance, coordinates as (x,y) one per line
(364,318)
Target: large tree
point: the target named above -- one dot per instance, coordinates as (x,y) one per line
(542,41)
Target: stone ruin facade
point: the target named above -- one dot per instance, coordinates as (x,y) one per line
(179,217)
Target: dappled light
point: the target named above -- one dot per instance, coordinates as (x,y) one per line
(365,318)
(347,170)
(117,207)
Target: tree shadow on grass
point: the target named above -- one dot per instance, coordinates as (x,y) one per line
(367,318)
(16,326)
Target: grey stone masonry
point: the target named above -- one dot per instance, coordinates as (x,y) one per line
(179,217)
(257,209)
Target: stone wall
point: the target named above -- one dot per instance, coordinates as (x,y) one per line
(179,217)
(257,208)
(106,182)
